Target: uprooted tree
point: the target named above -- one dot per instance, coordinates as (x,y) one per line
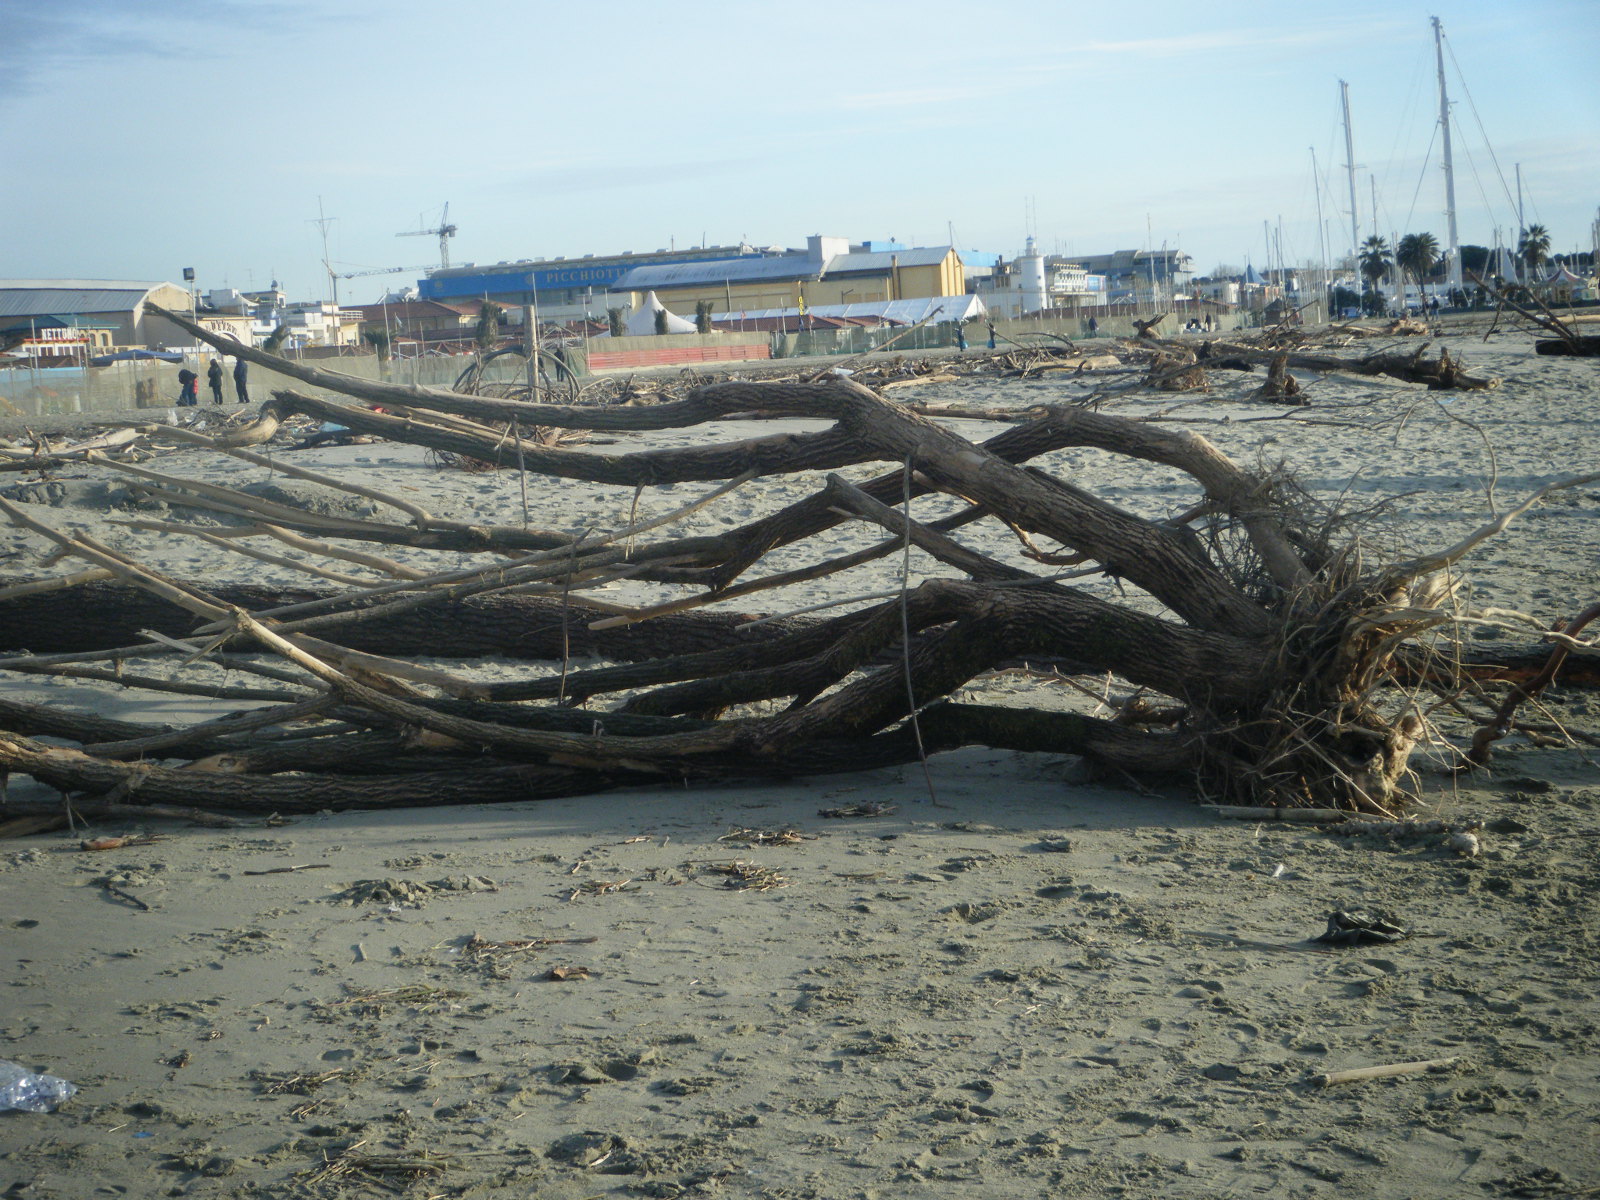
(1254,646)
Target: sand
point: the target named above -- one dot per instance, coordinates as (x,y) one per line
(1031,983)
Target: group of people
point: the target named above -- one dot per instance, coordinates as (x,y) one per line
(1194,325)
(189,383)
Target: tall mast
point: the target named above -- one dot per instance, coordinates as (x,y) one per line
(1322,243)
(1454,249)
(1350,166)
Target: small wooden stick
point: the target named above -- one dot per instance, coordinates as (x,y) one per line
(1357,1074)
(221,727)
(34,587)
(86,547)
(419,516)
(278,560)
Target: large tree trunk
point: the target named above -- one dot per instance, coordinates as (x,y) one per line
(1256,652)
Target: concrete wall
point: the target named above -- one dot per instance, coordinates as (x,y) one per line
(26,393)
(1076,328)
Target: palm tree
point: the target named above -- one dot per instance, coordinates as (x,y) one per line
(1375,260)
(1533,248)
(1418,253)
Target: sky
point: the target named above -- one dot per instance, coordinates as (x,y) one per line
(146,137)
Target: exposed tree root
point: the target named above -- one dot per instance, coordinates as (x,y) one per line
(1254,655)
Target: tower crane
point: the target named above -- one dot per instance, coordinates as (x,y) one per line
(444,231)
(382,271)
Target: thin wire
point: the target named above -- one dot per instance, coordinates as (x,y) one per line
(1482,132)
(1405,123)
(905,631)
(1423,174)
(522,469)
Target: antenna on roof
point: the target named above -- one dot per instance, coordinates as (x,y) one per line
(322,224)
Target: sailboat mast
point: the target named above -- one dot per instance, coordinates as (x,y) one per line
(1322,242)
(1454,249)
(1350,166)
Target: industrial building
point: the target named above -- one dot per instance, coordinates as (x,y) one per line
(564,288)
(1140,275)
(830,272)
(115,307)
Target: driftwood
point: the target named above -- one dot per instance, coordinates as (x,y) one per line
(1280,387)
(1442,373)
(1255,656)
(1577,346)
(1567,341)
(1386,1071)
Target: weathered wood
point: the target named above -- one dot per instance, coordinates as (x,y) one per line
(1280,386)
(100,616)
(1442,373)
(1263,650)
(1579,346)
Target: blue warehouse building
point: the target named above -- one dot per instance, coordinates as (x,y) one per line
(563,288)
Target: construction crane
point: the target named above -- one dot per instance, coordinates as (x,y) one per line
(444,231)
(382,271)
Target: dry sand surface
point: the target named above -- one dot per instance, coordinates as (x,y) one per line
(1032,984)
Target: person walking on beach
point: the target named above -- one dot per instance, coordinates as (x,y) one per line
(991,335)
(961,337)
(214,378)
(1094,327)
(188,388)
(241,376)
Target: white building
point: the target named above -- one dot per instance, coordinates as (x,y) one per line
(321,323)
(1032,282)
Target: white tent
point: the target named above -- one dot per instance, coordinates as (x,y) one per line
(642,321)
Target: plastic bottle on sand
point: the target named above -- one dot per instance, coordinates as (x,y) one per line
(20,1088)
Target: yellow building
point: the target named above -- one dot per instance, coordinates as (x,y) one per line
(829,272)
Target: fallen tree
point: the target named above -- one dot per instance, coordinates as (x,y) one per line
(1252,649)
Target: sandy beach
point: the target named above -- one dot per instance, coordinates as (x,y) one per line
(1006,977)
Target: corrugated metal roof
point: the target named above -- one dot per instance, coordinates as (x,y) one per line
(901,312)
(787,266)
(39,297)
(732,270)
(883,260)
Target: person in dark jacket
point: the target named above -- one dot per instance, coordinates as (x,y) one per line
(189,388)
(241,374)
(214,378)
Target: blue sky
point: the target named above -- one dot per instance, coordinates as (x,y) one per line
(145,137)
